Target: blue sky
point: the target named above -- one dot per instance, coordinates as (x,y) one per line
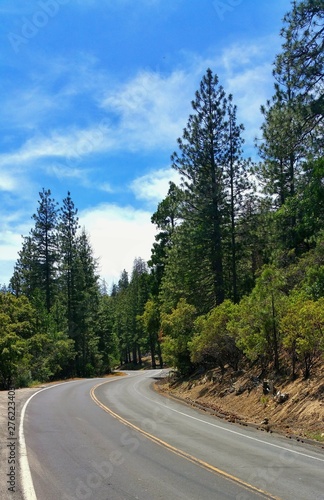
(95,93)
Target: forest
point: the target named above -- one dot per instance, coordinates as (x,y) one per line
(236,274)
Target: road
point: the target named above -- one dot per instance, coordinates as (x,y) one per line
(117,439)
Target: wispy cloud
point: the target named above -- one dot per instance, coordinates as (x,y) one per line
(153,187)
(72,145)
(8,182)
(245,70)
(150,108)
(27,108)
(10,243)
(106,188)
(251,90)
(147,111)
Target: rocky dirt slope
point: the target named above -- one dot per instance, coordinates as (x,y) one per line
(295,409)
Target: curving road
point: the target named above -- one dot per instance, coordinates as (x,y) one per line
(117,439)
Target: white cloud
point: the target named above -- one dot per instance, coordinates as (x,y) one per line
(148,110)
(151,109)
(154,186)
(10,243)
(26,108)
(8,182)
(248,76)
(106,187)
(72,145)
(245,71)
(118,235)
(251,89)
(56,101)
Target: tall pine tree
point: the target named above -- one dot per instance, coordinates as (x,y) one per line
(214,179)
(68,228)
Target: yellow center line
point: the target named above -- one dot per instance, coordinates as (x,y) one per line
(177,451)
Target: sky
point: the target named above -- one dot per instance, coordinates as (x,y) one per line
(95,93)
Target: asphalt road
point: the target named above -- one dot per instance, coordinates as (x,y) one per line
(117,439)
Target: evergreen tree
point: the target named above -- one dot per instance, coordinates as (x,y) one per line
(187,272)
(68,227)
(123,282)
(214,183)
(25,279)
(257,320)
(212,343)
(108,341)
(44,236)
(293,127)
(236,170)
(177,331)
(36,268)
(150,322)
(88,358)
(254,240)
(122,318)
(17,325)
(201,164)
(166,218)
(281,151)
(303,52)
(139,290)
(130,302)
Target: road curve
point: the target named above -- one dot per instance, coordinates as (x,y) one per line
(117,439)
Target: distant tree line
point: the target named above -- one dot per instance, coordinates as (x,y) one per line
(236,274)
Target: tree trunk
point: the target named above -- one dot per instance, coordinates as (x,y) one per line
(275,336)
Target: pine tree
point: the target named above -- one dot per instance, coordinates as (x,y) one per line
(150,322)
(131,298)
(108,341)
(85,335)
(303,52)
(236,170)
(123,281)
(44,236)
(139,290)
(25,279)
(201,165)
(166,218)
(36,268)
(121,320)
(187,272)
(293,127)
(214,179)
(68,228)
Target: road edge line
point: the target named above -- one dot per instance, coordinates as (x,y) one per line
(27,484)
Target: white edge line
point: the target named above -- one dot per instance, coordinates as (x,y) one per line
(27,484)
(226,429)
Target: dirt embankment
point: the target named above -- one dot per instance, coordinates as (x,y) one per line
(295,409)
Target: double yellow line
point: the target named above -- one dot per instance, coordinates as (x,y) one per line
(180,453)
